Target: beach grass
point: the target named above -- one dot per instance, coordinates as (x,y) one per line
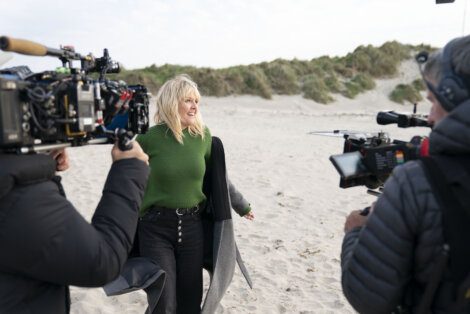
(319,79)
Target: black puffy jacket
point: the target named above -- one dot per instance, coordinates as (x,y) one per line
(46,244)
(392,257)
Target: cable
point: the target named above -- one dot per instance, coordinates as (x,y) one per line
(36,122)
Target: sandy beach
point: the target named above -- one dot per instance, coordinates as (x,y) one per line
(292,248)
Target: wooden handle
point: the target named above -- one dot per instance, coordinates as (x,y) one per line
(22,46)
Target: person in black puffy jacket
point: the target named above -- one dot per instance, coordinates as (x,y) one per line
(388,257)
(46,244)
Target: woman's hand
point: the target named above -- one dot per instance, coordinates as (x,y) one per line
(249,215)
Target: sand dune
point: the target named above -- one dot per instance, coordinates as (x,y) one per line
(292,248)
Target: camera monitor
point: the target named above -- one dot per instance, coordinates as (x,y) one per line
(349,165)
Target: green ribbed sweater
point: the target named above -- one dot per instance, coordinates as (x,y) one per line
(176,170)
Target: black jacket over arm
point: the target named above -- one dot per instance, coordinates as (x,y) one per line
(221,251)
(46,244)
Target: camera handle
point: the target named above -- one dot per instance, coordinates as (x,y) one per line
(124,139)
(374,192)
(42,148)
(22,46)
(365,211)
(31,48)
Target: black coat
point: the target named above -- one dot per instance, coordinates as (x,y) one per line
(221,252)
(47,245)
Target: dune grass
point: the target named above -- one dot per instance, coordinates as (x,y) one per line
(318,79)
(405,92)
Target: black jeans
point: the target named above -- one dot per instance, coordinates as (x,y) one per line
(176,244)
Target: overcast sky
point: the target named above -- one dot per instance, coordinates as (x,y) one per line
(224,33)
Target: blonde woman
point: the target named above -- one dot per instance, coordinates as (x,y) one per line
(170,228)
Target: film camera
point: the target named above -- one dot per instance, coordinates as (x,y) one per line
(69,106)
(369,158)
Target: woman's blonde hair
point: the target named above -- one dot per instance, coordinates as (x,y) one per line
(168,98)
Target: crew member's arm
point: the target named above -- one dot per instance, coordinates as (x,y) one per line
(376,259)
(50,241)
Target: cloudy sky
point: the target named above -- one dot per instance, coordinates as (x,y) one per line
(223,33)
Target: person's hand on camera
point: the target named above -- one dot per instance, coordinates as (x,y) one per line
(357,218)
(62,158)
(135,152)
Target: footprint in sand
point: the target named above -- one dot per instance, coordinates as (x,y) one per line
(329,280)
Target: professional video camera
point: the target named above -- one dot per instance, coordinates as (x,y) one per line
(68,106)
(369,158)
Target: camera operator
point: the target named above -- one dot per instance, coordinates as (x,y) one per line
(389,256)
(47,245)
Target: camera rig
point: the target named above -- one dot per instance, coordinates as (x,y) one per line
(68,106)
(368,158)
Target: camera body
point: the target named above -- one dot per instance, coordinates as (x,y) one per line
(67,106)
(369,158)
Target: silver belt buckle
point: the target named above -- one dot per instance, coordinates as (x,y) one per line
(178,212)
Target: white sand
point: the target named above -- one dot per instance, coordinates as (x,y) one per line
(292,249)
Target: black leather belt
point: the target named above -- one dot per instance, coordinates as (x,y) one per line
(181,211)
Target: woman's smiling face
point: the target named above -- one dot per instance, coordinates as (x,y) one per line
(188,109)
